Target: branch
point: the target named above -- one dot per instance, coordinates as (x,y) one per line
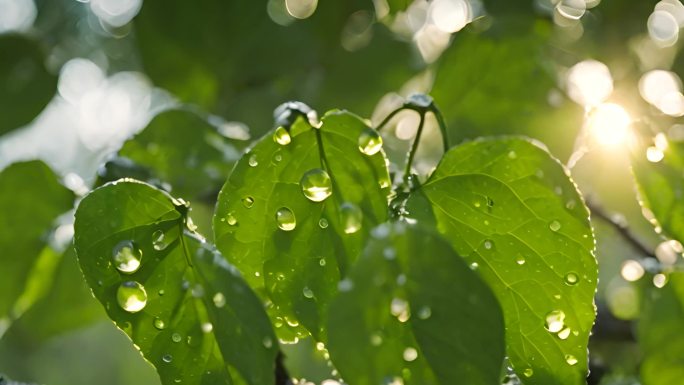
(622,229)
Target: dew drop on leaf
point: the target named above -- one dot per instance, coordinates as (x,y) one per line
(207,327)
(554,225)
(555,320)
(253,161)
(488,244)
(376,339)
(410,354)
(158,240)
(219,300)
(161,292)
(370,142)
(351,218)
(247,201)
(512,155)
(528,372)
(126,257)
(316,185)
(520,260)
(424,312)
(571,279)
(231,219)
(131,296)
(285,219)
(167,358)
(570,359)
(175,337)
(564,334)
(308,293)
(322,262)
(281,136)
(323,223)
(474,266)
(159,323)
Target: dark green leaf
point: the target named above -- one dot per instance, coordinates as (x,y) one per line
(189,312)
(661,333)
(299,269)
(661,188)
(31,198)
(411,308)
(506,205)
(25,85)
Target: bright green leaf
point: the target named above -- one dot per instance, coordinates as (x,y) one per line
(292,247)
(510,208)
(31,198)
(187,310)
(411,308)
(25,85)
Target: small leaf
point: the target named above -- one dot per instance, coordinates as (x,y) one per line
(31,198)
(510,209)
(293,223)
(184,307)
(25,85)
(412,308)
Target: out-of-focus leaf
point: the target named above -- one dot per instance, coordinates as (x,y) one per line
(184,150)
(189,312)
(25,85)
(299,258)
(412,309)
(511,210)
(31,198)
(661,188)
(661,333)
(232,58)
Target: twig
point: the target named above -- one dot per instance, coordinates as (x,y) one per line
(622,230)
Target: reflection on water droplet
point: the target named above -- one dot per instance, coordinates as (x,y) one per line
(161,292)
(308,293)
(528,372)
(322,262)
(323,223)
(219,300)
(131,296)
(410,354)
(488,244)
(564,334)
(555,320)
(247,201)
(370,142)
(474,266)
(520,260)
(285,219)
(126,257)
(571,278)
(570,359)
(159,323)
(253,161)
(158,240)
(281,136)
(167,358)
(316,185)
(351,218)
(554,225)
(424,312)
(231,219)
(175,337)
(207,327)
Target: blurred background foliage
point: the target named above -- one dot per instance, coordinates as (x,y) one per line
(172,91)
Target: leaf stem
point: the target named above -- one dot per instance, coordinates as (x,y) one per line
(442,126)
(391,115)
(414,149)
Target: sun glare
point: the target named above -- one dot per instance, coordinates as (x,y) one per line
(608,124)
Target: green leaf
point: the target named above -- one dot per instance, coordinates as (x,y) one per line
(661,188)
(189,312)
(411,308)
(25,85)
(299,266)
(31,198)
(183,149)
(508,206)
(661,333)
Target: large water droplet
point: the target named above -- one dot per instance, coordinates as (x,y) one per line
(247,201)
(570,359)
(571,278)
(231,220)
(370,142)
(167,358)
(555,320)
(351,218)
(564,334)
(219,300)
(253,161)
(554,225)
(528,372)
(281,136)
(131,296)
(159,323)
(158,240)
(126,256)
(285,219)
(308,293)
(316,185)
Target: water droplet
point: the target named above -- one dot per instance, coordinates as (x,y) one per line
(131,296)
(571,204)
(474,266)
(308,293)
(268,342)
(159,323)
(488,244)
(410,354)
(554,225)
(292,322)
(207,327)
(570,359)
(424,312)
(231,220)
(376,339)
(247,201)
(564,334)
(161,292)
(520,260)
(320,346)
(281,136)
(370,142)
(571,278)
(285,219)
(167,358)
(555,320)
(512,155)
(400,309)
(322,262)
(351,218)
(253,161)
(277,157)
(175,337)
(126,256)
(158,240)
(323,223)
(316,185)
(389,253)
(345,285)
(219,300)
(528,372)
